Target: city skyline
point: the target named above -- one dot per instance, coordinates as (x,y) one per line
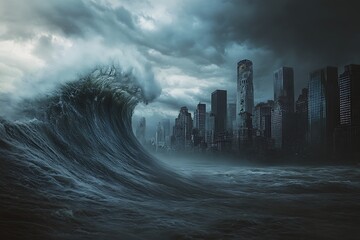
(286,92)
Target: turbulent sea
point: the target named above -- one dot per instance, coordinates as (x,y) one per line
(71,168)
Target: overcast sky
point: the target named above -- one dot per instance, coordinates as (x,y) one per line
(189,47)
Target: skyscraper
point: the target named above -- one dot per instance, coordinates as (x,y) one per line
(231,116)
(183,129)
(199,118)
(282,130)
(209,126)
(349,92)
(245,88)
(218,109)
(323,108)
(301,112)
(166,126)
(284,88)
(244,103)
(347,135)
(262,125)
(159,137)
(262,119)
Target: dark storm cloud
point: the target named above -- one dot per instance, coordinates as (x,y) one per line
(71,19)
(322,29)
(200,39)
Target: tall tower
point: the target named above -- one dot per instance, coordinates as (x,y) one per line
(347,135)
(182,130)
(349,88)
(323,107)
(282,115)
(199,118)
(244,103)
(245,88)
(218,108)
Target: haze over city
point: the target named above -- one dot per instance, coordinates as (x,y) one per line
(183,119)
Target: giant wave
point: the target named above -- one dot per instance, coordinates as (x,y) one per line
(74,155)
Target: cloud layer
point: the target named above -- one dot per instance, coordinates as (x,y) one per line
(191,47)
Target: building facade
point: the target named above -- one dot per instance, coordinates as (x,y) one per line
(182,130)
(244,104)
(231,117)
(347,135)
(283,112)
(323,108)
(219,109)
(199,118)
(301,129)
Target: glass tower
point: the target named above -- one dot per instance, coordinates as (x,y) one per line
(323,107)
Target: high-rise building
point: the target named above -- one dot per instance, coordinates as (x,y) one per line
(323,108)
(349,92)
(284,88)
(282,130)
(159,137)
(347,135)
(210,128)
(167,132)
(199,118)
(244,103)
(231,117)
(183,129)
(218,109)
(301,112)
(245,88)
(262,125)
(262,119)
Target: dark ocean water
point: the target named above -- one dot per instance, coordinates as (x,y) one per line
(71,168)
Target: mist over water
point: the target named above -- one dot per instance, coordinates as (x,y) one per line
(71,168)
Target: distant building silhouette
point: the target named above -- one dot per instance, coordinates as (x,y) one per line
(301,129)
(219,110)
(323,108)
(199,118)
(244,103)
(347,135)
(262,119)
(159,137)
(167,132)
(282,117)
(231,117)
(182,130)
(141,130)
(262,125)
(210,128)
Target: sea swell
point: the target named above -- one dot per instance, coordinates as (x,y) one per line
(74,154)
